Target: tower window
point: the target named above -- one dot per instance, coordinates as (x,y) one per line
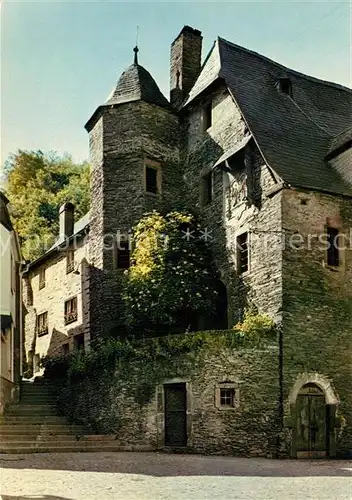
(152,178)
(207,188)
(333,257)
(207,115)
(242,253)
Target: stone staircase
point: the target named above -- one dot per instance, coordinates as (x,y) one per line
(33,425)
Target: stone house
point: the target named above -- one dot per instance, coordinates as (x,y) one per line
(56,294)
(264,155)
(10,308)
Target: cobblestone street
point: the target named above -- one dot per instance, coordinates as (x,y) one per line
(154,476)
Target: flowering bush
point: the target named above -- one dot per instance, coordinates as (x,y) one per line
(170,281)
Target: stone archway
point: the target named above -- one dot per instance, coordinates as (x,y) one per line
(313,404)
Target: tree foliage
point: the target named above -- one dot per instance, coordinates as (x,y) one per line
(37,184)
(170,280)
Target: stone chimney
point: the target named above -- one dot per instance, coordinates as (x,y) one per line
(66,220)
(185,63)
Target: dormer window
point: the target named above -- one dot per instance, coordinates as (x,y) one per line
(284,86)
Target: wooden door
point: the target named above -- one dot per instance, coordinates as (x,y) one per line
(311,423)
(175,414)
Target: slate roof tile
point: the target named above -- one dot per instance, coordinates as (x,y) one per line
(136,83)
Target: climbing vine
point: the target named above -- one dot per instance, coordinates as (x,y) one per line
(91,383)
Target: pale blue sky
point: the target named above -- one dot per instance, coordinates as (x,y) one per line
(60,60)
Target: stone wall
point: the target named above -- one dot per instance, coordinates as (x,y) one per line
(7,394)
(317,302)
(230,213)
(131,403)
(59,287)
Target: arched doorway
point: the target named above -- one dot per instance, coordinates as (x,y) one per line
(311,427)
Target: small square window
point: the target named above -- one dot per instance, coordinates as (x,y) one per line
(71,311)
(41,278)
(207,116)
(333,257)
(42,324)
(242,253)
(227,397)
(70,261)
(207,188)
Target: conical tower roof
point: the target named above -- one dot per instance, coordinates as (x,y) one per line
(135,84)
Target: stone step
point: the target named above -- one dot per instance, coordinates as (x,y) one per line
(36,392)
(22,409)
(38,402)
(35,429)
(32,419)
(40,438)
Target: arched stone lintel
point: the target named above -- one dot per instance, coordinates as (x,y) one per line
(314,378)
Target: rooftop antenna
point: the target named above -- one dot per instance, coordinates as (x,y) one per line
(136,49)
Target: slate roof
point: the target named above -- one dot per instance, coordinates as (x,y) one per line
(294,134)
(135,84)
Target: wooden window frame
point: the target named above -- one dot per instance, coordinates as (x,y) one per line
(231,387)
(41,278)
(72,315)
(42,329)
(151,164)
(70,261)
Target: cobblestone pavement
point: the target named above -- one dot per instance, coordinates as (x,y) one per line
(154,476)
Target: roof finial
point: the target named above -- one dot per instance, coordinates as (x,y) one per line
(136,49)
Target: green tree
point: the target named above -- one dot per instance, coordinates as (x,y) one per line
(170,281)
(37,184)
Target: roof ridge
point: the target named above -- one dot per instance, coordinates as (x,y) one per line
(286,68)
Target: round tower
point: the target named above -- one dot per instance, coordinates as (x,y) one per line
(133,140)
